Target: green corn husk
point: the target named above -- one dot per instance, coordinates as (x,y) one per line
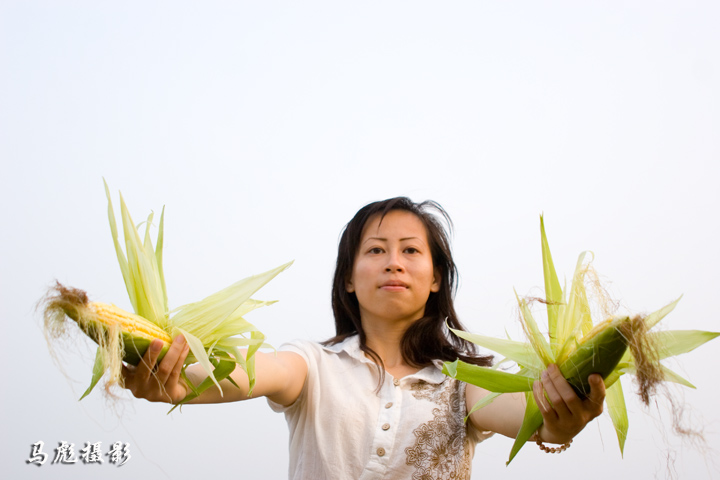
(612,348)
(599,352)
(214,327)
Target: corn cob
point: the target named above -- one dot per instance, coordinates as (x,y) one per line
(121,336)
(137,333)
(101,320)
(611,349)
(599,352)
(214,327)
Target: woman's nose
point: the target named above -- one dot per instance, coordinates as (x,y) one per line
(394,264)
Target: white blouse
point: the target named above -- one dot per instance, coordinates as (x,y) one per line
(341,427)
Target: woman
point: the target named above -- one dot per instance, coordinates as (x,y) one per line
(372,402)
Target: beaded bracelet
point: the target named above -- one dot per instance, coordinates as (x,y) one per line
(546,449)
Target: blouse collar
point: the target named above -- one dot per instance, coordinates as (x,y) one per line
(351,346)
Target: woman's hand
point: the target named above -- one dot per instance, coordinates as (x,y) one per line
(162,384)
(565,415)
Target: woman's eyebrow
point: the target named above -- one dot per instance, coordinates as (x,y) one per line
(382,239)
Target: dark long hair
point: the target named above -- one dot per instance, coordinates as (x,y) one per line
(426,339)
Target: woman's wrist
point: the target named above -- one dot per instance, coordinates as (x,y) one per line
(544,435)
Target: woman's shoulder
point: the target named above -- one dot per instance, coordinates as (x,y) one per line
(310,348)
(302,347)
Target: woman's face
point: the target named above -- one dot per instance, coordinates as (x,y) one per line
(393,272)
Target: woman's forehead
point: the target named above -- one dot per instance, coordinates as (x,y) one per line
(395,223)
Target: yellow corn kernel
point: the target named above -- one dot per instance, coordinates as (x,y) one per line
(110,316)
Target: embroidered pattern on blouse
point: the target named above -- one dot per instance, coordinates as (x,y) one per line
(442,449)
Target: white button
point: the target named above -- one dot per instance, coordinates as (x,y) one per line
(396,382)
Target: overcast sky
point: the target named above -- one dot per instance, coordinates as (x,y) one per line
(263,126)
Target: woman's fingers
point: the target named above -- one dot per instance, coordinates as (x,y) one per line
(174,377)
(147,364)
(597,394)
(171,358)
(564,413)
(562,397)
(540,399)
(161,383)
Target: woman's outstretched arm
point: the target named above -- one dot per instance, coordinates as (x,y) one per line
(279,376)
(563,417)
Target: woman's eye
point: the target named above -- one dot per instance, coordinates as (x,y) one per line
(375,251)
(412,250)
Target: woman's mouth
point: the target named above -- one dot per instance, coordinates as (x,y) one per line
(394,286)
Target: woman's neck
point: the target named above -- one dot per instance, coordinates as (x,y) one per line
(386,341)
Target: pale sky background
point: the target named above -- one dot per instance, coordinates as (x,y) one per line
(263,126)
